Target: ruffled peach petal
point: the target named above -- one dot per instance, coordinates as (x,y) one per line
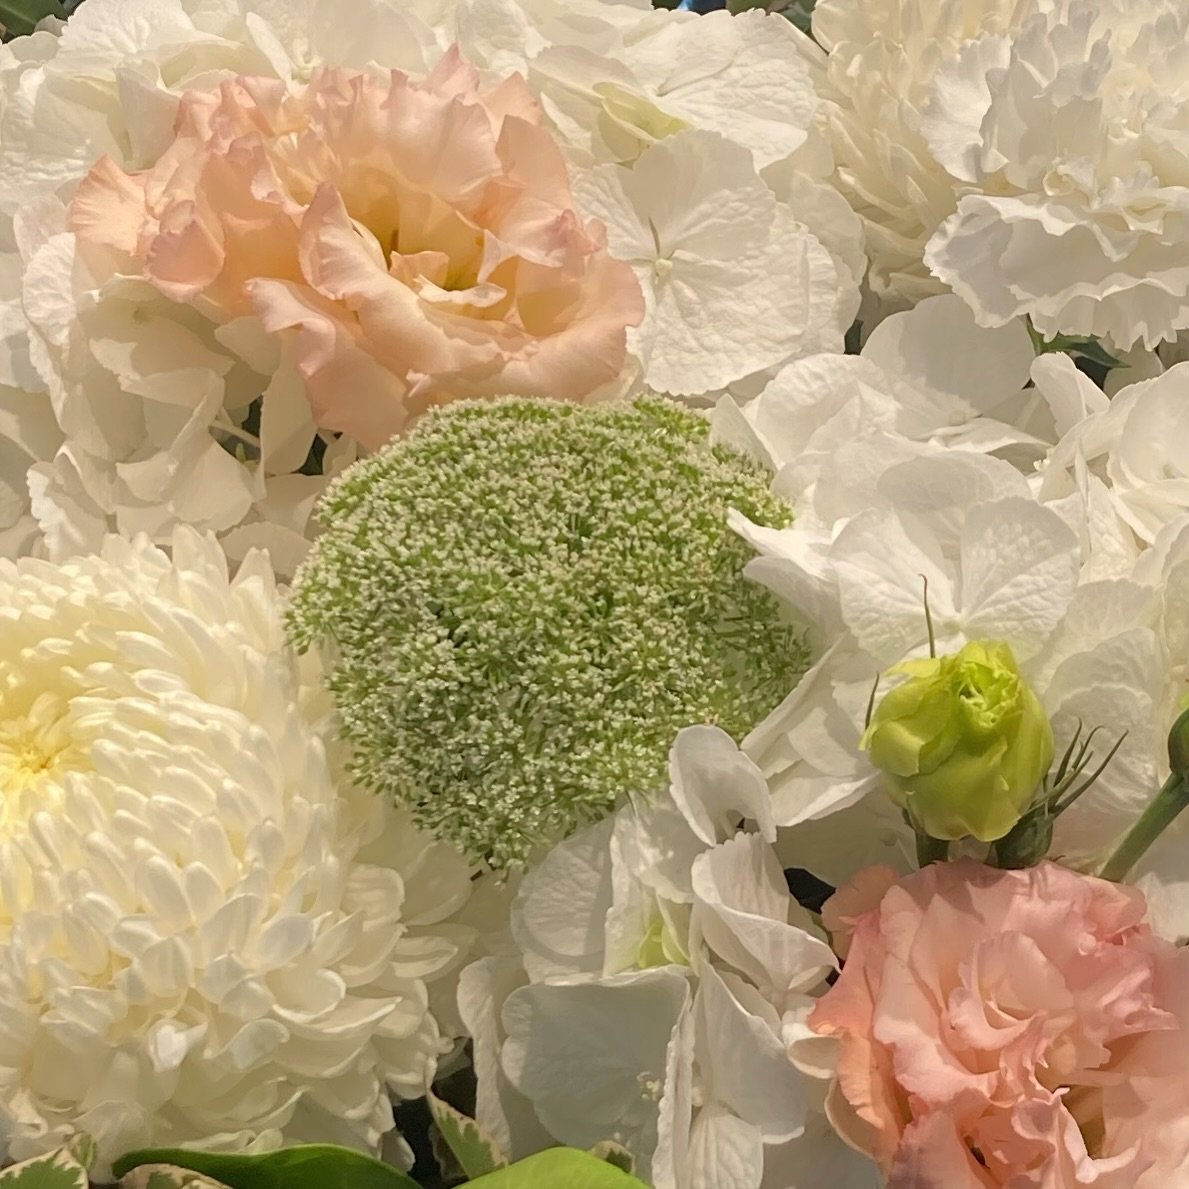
(991,1024)
(417,241)
(332,363)
(109,207)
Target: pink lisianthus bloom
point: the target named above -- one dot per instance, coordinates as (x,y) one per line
(420,239)
(1008,1030)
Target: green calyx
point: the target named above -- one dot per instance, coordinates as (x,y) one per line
(522,602)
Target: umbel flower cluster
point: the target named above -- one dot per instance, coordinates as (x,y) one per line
(522,602)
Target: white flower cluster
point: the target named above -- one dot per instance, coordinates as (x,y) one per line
(659,994)
(206,936)
(125,410)
(1061,537)
(1028,154)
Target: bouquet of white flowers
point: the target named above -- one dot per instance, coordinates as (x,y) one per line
(594,595)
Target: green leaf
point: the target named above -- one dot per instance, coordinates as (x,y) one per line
(311,1166)
(167,1176)
(476,1152)
(1087,348)
(58,1170)
(559,1168)
(21,16)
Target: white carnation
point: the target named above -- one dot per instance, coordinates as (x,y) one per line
(203,940)
(1025,154)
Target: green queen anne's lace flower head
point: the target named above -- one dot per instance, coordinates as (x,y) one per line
(522,602)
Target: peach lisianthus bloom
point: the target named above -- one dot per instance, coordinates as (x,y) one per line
(995,1024)
(420,238)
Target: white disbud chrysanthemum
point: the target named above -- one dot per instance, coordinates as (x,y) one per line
(204,938)
(1030,155)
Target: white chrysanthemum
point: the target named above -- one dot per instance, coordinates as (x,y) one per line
(202,939)
(1029,154)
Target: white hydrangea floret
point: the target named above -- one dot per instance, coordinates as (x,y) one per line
(745,77)
(1132,449)
(733,283)
(205,938)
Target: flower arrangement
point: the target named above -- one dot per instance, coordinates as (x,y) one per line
(593,594)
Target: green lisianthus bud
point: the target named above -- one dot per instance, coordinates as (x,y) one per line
(964,742)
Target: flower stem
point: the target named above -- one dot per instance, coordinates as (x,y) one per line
(1154,820)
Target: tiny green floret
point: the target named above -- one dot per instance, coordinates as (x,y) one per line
(522,602)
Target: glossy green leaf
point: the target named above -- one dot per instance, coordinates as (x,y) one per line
(559,1168)
(477,1152)
(312,1166)
(58,1170)
(21,16)
(1071,344)
(167,1176)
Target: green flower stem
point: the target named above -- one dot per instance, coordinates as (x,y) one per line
(931,850)
(1159,815)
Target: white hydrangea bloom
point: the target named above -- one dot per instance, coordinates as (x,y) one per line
(930,375)
(503,36)
(1132,449)
(881,504)
(665,980)
(152,416)
(1024,154)
(153,402)
(746,77)
(733,282)
(205,938)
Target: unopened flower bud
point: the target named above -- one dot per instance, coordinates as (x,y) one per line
(964,742)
